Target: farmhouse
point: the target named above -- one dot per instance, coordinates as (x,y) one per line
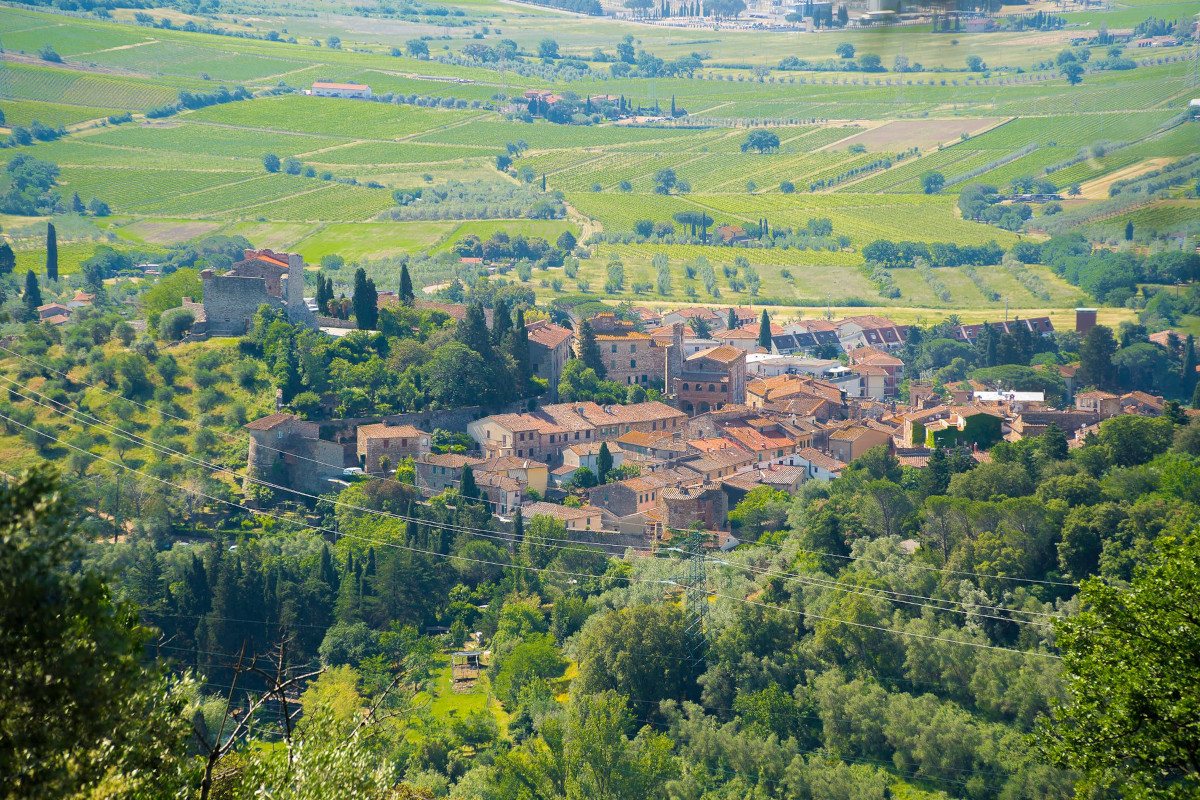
(349,90)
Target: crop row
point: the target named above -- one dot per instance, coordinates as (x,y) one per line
(330,201)
(23,112)
(232,197)
(547,136)
(76,151)
(129,189)
(188,137)
(910,171)
(80,88)
(1068,130)
(330,116)
(381,154)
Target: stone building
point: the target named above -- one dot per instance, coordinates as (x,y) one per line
(681,508)
(262,277)
(437,473)
(711,379)
(630,356)
(288,451)
(393,441)
(549,350)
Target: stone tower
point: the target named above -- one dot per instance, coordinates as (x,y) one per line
(674,359)
(297,309)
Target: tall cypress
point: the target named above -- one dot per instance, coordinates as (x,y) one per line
(466,487)
(764,331)
(501,322)
(51,252)
(365,301)
(473,332)
(406,288)
(732,322)
(516,344)
(604,463)
(8,259)
(1189,364)
(33,296)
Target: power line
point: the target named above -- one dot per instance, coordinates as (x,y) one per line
(547,570)
(160,448)
(809,615)
(896,597)
(321,529)
(916,565)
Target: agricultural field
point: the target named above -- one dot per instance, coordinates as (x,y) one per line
(855,146)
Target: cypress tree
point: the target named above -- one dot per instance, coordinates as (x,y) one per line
(1189,363)
(406,289)
(365,301)
(466,487)
(672,105)
(1129,231)
(516,344)
(501,322)
(51,252)
(33,296)
(518,526)
(764,331)
(473,332)
(604,462)
(732,322)
(323,297)
(589,351)
(8,259)
(77,206)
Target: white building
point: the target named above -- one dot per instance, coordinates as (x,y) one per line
(767,365)
(351,90)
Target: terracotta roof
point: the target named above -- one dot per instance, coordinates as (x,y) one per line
(547,334)
(498,480)
(721,353)
(736,333)
(56,319)
(501,463)
(452,460)
(270,421)
(591,413)
(855,432)
(564,513)
(1096,393)
(385,431)
(623,336)
(819,459)
(711,445)
(643,438)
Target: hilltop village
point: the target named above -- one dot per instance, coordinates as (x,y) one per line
(648,422)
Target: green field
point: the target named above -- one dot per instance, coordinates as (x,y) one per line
(201,171)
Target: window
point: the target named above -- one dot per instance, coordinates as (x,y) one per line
(685,387)
(712,388)
(404,442)
(385,444)
(633,348)
(614,348)
(614,363)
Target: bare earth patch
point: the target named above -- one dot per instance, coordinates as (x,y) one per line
(1098,189)
(926,134)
